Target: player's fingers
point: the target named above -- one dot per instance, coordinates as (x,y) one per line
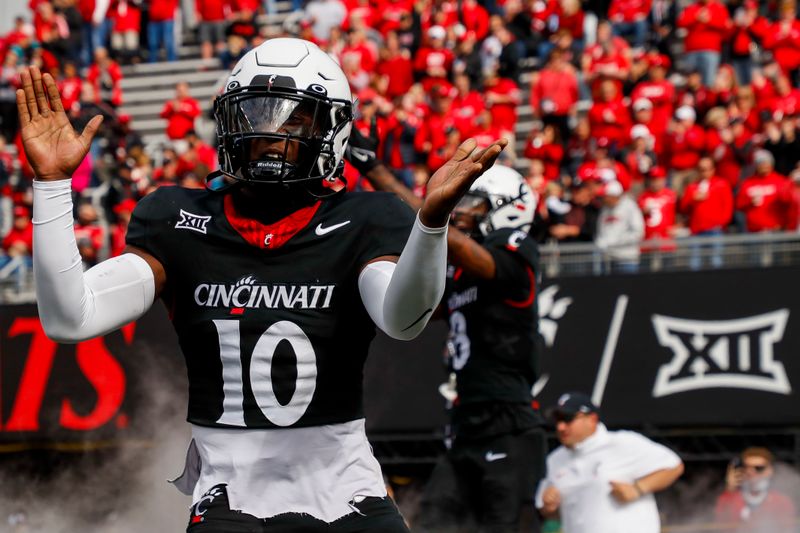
(22,108)
(52,93)
(38,89)
(91,130)
(465,149)
(477,156)
(490,156)
(30,97)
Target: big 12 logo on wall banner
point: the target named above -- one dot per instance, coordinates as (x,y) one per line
(724,353)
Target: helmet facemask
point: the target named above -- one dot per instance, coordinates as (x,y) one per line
(471,214)
(280,135)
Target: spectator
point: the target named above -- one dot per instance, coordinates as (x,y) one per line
(325,15)
(432,136)
(70,86)
(554,93)
(123,212)
(765,197)
(96,27)
(783,141)
(659,91)
(706,23)
(127,24)
(502,96)
(161,29)
(749,32)
(658,204)
(609,116)
(602,481)
(72,16)
(750,501)
(52,31)
(545,146)
(723,146)
(211,30)
(395,67)
(639,156)
(579,224)
(607,59)
(783,40)
(19,241)
(707,202)
(235,49)
(89,235)
(180,113)
(685,144)
(106,77)
(629,19)
(620,229)
(433,62)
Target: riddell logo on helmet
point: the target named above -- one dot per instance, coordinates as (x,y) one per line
(724,353)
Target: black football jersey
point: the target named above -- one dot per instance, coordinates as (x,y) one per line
(269,317)
(494,323)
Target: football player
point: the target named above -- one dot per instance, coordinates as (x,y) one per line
(496,457)
(274,280)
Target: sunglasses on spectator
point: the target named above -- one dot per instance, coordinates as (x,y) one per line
(757,468)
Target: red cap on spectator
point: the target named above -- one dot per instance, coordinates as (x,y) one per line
(603,142)
(750,4)
(657,172)
(123,118)
(125,205)
(21,211)
(660,60)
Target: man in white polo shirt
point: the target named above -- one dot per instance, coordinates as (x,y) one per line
(601,481)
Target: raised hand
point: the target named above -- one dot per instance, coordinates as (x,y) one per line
(53,147)
(454,178)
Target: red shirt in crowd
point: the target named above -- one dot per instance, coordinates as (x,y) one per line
(434,131)
(466,109)
(722,152)
(776,510)
(112,74)
(400,74)
(555,92)
(659,212)
(15,236)
(126,16)
(662,95)
(765,201)
(502,98)
(94,234)
(475,18)
(706,25)
(708,204)
(550,154)
(163,10)
(611,120)
(744,36)
(783,39)
(629,10)
(360,54)
(685,148)
(592,171)
(70,89)
(211,10)
(180,116)
(434,64)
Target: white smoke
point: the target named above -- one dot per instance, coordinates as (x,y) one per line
(122,490)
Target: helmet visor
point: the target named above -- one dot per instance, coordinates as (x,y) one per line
(278,114)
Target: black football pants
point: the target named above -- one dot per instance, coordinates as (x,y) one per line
(215,516)
(486,486)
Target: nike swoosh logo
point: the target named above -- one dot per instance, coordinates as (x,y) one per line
(319,230)
(361,155)
(492,457)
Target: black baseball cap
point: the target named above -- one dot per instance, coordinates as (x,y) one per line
(570,404)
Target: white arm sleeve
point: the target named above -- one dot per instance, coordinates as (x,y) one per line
(401,297)
(74,305)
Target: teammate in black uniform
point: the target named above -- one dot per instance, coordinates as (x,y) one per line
(498,448)
(274,281)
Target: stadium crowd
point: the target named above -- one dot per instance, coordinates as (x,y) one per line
(688,110)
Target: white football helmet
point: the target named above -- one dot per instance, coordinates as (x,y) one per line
(510,201)
(286,92)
